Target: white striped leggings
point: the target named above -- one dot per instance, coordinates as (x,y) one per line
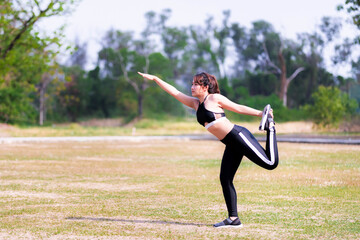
(240,142)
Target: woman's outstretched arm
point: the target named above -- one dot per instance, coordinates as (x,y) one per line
(181,97)
(241,109)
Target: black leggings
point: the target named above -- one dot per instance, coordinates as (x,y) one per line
(240,142)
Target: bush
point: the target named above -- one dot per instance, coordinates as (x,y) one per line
(330,106)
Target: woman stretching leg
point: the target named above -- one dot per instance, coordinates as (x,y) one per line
(209,105)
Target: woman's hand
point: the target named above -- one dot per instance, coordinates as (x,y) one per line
(148,76)
(271,113)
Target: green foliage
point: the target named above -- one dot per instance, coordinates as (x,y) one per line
(159,103)
(156,101)
(126,100)
(14,107)
(261,83)
(352,7)
(72,93)
(330,106)
(281,113)
(225,87)
(114,89)
(25,55)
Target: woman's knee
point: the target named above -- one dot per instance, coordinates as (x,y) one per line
(272,167)
(225,179)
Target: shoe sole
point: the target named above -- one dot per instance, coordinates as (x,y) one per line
(264,117)
(230,226)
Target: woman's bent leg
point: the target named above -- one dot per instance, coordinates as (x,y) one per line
(252,149)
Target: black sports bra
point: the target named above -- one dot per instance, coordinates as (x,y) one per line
(205,116)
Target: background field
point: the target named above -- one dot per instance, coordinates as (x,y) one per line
(115,127)
(171,190)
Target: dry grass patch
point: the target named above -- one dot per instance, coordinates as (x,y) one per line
(171,190)
(113,127)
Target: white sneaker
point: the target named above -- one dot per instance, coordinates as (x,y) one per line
(264,117)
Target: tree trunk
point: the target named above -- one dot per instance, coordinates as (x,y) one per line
(45,80)
(140,106)
(283,80)
(42,106)
(285,93)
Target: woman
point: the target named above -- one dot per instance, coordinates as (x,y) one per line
(209,104)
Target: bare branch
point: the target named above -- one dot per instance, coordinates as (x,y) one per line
(123,68)
(26,25)
(17,37)
(268,60)
(297,71)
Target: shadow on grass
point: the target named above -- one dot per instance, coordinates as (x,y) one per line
(135,221)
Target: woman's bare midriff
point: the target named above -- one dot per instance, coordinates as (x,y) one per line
(221,129)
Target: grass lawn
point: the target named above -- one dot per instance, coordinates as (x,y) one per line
(171,190)
(141,128)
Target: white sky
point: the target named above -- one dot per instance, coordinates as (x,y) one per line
(92,18)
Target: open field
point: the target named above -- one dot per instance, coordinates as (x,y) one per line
(104,127)
(171,190)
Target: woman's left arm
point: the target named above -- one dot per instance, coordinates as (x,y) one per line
(227,104)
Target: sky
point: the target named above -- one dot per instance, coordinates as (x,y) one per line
(92,18)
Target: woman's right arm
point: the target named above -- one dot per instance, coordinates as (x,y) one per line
(181,97)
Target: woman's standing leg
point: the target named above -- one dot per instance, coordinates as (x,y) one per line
(229,165)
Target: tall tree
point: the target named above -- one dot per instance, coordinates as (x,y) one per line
(19,18)
(262,50)
(174,41)
(350,46)
(25,53)
(201,50)
(284,79)
(313,46)
(353,8)
(122,61)
(240,41)
(222,34)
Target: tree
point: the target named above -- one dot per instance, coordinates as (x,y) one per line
(174,42)
(79,56)
(284,80)
(25,53)
(42,86)
(201,52)
(122,61)
(353,7)
(158,102)
(281,67)
(99,94)
(241,42)
(349,46)
(19,18)
(69,96)
(312,47)
(262,49)
(221,34)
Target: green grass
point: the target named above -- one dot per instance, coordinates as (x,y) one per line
(171,190)
(171,126)
(143,127)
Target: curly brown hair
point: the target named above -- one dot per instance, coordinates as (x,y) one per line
(205,79)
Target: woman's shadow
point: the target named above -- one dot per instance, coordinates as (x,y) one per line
(135,221)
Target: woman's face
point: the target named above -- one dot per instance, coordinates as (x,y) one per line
(197,90)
